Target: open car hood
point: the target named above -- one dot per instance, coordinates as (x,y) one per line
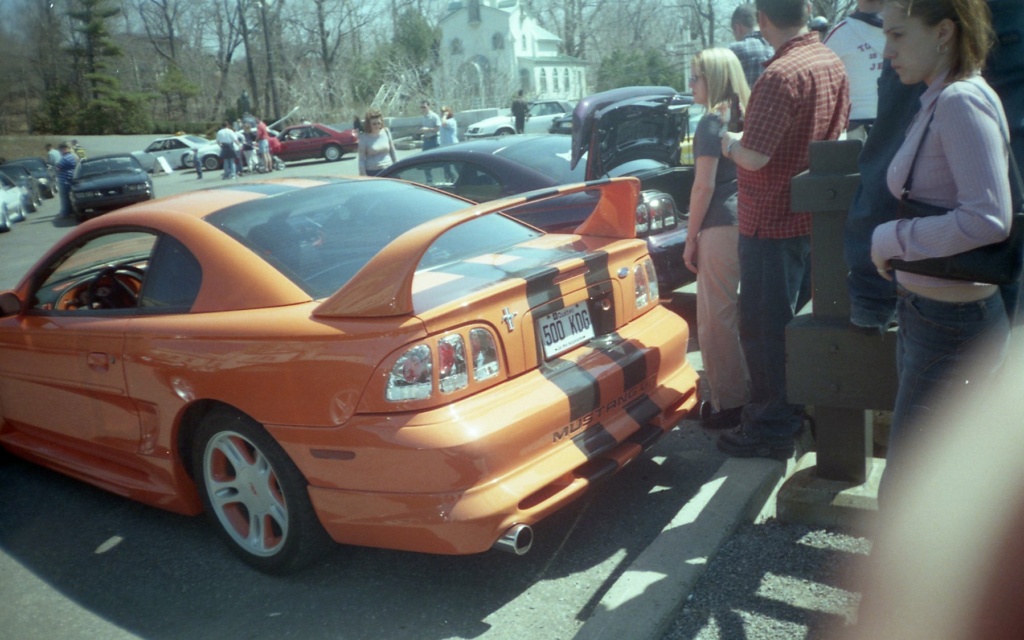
(614,127)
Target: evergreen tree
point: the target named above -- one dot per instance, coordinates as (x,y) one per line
(106,108)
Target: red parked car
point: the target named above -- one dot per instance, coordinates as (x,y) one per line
(307,141)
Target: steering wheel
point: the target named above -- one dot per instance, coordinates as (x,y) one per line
(108,291)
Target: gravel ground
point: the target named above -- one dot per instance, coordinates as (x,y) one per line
(774,581)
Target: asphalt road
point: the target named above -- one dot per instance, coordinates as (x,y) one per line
(78,562)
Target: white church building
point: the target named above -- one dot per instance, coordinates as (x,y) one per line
(491,48)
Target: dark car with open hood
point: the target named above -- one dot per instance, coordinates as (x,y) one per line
(634,131)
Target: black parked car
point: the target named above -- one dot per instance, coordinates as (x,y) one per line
(108,182)
(42,171)
(562,125)
(635,132)
(32,197)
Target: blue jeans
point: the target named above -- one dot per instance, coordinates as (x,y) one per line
(228,158)
(771,274)
(872,297)
(942,350)
(65,200)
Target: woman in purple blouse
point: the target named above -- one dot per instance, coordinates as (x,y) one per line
(951,334)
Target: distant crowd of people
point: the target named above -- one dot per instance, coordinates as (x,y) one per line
(244,146)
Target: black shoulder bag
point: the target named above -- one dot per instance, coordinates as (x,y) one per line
(997,263)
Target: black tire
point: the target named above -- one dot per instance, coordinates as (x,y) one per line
(505,131)
(211,163)
(333,153)
(19,215)
(30,206)
(245,478)
(5,220)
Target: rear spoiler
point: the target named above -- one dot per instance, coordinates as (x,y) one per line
(383,287)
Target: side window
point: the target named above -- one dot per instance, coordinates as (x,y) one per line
(476,184)
(461,178)
(172,280)
(105,274)
(441,175)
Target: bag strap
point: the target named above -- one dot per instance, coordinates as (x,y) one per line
(1016,194)
(1016,198)
(910,174)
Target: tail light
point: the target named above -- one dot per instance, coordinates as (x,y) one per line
(412,376)
(655,212)
(645,284)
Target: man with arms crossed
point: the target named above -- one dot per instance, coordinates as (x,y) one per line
(802,96)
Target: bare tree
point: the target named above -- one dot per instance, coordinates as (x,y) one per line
(323,32)
(225,17)
(160,19)
(571,20)
(833,10)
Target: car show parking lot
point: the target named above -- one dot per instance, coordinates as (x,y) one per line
(120,552)
(79,562)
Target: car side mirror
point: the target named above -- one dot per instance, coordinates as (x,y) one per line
(10,304)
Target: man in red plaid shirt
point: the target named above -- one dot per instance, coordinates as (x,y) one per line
(802,96)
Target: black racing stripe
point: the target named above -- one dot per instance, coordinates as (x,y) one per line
(584,394)
(541,288)
(643,410)
(594,441)
(632,360)
(597,268)
(581,388)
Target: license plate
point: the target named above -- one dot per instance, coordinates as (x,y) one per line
(565,329)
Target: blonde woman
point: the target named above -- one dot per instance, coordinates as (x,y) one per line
(376,148)
(718,84)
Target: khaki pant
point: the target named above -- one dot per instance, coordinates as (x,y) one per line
(718,279)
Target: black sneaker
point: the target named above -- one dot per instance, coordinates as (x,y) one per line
(738,443)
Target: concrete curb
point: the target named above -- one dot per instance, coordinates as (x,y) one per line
(645,599)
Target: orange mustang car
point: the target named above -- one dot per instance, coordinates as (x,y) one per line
(366,361)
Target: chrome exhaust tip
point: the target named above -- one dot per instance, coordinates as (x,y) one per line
(517,540)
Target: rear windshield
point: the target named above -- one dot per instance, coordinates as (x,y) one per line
(319,237)
(106,165)
(30,163)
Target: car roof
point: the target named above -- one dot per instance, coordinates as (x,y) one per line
(494,153)
(28,160)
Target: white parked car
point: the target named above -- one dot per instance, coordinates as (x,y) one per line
(177,150)
(14,197)
(538,120)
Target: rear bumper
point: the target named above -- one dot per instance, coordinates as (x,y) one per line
(452,481)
